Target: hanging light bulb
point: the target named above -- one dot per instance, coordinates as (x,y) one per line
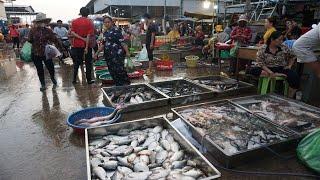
(206,4)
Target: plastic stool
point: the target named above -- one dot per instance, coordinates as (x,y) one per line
(264,82)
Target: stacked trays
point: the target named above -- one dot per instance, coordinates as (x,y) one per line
(224,86)
(232,134)
(134,97)
(141,150)
(288,113)
(183,91)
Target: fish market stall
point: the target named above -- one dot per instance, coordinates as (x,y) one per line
(183,91)
(231,134)
(224,86)
(295,115)
(134,97)
(144,149)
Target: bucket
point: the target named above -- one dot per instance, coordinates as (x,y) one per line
(192,61)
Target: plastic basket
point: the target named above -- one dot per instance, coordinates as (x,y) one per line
(100,72)
(192,61)
(164,65)
(89,113)
(225,54)
(136,74)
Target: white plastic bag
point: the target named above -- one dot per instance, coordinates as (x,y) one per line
(143,55)
(51,52)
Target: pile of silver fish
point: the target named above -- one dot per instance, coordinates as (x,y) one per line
(98,120)
(133,95)
(219,86)
(178,88)
(231,128)
(285,113)
(146,154)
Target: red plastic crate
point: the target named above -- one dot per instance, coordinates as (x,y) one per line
(164,65)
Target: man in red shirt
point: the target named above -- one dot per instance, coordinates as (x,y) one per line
(242,34)
(14,35)
(81,29)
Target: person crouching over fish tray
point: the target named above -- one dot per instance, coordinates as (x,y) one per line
(114,52)
(275,59)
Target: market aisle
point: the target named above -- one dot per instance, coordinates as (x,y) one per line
(35,141)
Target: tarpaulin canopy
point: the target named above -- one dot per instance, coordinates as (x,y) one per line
(198,15)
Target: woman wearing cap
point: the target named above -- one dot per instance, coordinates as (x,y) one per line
(114,52)
(270,24)
(39,37)
(242,34)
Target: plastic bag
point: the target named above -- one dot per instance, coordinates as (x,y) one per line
(129,65)
(51,52)
(308,150)
(26,52)
(143,55)
(234,50)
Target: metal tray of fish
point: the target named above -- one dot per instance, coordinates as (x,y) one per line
(183,91)
(295,115)
(223,85)
(231,134)
(134,97)
(144,149)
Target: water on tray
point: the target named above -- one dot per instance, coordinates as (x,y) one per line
(178,88)
(283,112)
(219,84)
(231,128)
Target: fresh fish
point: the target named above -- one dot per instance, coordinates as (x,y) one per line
(95,162)
(124,170)
(177,156)
(157,129)
(153,157)
(169,138)
(121,150)
(110,165)
(161,156)
(195,173)
(153,146)
(145,159)
(165,144)
(134,143)
(140,167)
(138,149)
(164,133)
(175,147)
(145,152)
(179,164)
(98,143)
(117,175)
(132,157)
(159,173)
(158,148)
(137,176)
(100,173)
(133,100)
(124,161)
(139,99)
(177,176)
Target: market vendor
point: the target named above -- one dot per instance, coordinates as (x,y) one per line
(275,59)
(241,33)
(150,40)
(270,24)
(114,52)
(305,46)
(199,36)
(174,33)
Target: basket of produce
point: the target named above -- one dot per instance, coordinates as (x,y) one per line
(136,74)
(93,117)
(162,65)
(106,78)
(192,61)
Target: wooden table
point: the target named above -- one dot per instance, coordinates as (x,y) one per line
(246,53)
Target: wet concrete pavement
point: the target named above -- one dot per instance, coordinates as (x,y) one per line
(35,141)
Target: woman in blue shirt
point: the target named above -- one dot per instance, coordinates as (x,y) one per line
(115,51)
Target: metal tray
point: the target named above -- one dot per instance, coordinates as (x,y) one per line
(95,133)
(185,99)
(242,156)
(161,101)
(302,129)
(242,87)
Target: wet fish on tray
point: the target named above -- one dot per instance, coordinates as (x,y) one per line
(231,128)
(284,112)
(132,95)
(219,86)
(155,155)
(178,88)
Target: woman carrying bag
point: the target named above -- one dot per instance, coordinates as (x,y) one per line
(40,36)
